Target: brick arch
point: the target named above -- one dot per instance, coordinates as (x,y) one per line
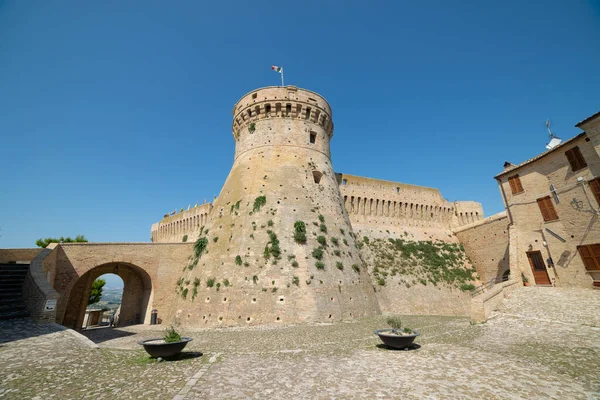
(135,303)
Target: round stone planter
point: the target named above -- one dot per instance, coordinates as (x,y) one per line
(396,341)
(159,348)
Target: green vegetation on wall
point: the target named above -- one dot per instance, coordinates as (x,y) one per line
(259,202)
(300,232)
(425,262)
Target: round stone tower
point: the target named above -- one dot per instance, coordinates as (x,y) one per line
(278,246)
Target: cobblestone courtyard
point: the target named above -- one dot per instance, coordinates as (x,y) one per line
(544,343)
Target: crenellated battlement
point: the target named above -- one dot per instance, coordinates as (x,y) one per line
(287,102)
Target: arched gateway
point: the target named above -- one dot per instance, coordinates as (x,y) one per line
(135,302)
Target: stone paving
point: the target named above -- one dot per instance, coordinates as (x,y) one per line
(544,343)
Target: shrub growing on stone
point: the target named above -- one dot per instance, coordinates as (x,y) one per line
(322,241)
(300,232)
(319,265)
(318,253)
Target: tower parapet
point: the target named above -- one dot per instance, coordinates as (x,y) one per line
(286,116)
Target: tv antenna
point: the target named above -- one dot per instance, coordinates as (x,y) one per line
(554,140)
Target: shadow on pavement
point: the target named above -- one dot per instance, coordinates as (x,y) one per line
(103,335)
(413,346)
(24,328)
(184,355)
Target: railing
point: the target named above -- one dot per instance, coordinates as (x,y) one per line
(488,285)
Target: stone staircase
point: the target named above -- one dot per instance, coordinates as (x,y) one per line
(12,304)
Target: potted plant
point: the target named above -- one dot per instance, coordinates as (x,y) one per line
(525,280)
(397,337)
(172,343)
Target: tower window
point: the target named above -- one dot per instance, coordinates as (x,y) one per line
(254,95)
(307,116)
(344,181)
(288,110)
(313,137)
(268,110)
(317,176)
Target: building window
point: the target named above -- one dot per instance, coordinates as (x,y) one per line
(313,137)
(595,186)
(590,254)
(515,184)
(575,159)
(344,181)
(547,209)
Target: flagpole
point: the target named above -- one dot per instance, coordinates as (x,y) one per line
(282,77)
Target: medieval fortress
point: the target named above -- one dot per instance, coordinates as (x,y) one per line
(289,240)
(292,119)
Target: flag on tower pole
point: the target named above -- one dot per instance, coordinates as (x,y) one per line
(280,70)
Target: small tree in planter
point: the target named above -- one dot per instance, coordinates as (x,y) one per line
(525,280)
(397,337)
(172,343)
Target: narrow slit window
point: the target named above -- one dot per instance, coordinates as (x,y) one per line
(313,137)
(278,109)
(344,181)
(288,110)
(268,110)
(307,116)
(317,176)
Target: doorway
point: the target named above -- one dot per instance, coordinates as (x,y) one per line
(538,267)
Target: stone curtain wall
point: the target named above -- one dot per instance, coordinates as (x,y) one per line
(173,228)
(380,208)
(486,244)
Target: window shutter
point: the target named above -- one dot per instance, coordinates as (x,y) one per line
(595,250)
(580,160)
(595,186)
(590,255)
(511,181)
(571,159)
(515,184)
(518,183)
(543,209)
(547,209)
(575,159)
(551,209)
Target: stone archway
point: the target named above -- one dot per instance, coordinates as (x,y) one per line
(135,302)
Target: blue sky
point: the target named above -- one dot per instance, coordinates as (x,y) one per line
(113,113)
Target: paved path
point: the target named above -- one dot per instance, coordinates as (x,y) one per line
(520,353)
